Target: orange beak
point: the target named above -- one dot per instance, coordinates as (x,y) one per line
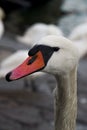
(29,66)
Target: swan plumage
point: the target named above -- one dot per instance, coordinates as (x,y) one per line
(37,31)
(66,47)
(79,32)
(79,37)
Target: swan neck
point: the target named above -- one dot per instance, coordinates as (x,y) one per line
(66,101)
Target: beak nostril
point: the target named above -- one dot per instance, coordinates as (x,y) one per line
(8,76)
(32,60)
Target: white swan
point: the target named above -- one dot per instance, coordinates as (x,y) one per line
(79,37)
(59,57)
(37,31)
(79,32)
(2,15)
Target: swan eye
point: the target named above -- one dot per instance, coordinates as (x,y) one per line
(46,51)
(56,48)
(44,48)
(32,60)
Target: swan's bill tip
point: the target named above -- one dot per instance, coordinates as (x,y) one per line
(8,76)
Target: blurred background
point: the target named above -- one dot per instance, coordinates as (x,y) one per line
(27,104)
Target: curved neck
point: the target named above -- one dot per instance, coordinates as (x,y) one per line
(66,101)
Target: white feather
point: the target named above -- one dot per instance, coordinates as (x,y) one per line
(79,38)
(37,31)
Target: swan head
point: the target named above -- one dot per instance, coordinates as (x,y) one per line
(52,54)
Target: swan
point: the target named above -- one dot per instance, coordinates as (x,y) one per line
(79,32)
(57,56)
(2,15)
(79,37)
(37,31)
